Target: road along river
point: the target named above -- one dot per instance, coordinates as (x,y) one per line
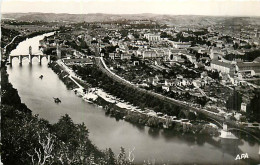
(150,144)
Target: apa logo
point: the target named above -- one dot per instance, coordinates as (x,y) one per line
(242,156)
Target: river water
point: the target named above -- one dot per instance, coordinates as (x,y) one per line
(150,144)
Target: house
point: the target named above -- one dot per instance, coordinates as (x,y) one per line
(184,82)
(181,45)
(223,67)
(219,43)
(252,67)
(179,76)
(112,56)
(115,56)
(190,57)
(130,36)
(168,82)
(152,37)
(159,77)
(171,57)
(243,107)
(166,88)
(136,63)
(149,54)
(215,53)
(160,53)
(126,56)
(177,82)
(203,51)
(140,51)
(152,81)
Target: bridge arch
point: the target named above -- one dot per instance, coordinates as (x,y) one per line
(30,57)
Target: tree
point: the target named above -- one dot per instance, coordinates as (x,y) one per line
(232,118)
(110,157)
(65,128)
(201,116)
(44,154)
(26,139)
(181,115)
(236,46)
(253,110)
(94,42)
(202,100)
(191,116)
(234,101)
(121,158)
(214,75)
(165,35)
(106,39)
(136,35)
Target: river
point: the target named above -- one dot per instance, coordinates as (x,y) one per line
(150,144)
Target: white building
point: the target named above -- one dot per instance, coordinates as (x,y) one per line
(181,45)
(149,54)
(152,37)
(243,107)
(222,67)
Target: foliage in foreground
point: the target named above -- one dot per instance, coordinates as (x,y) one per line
(27,139)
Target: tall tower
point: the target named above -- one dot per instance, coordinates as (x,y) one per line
(30,54)
(30,50)
(58,52)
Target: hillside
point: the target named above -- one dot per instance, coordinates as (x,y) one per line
(168,19)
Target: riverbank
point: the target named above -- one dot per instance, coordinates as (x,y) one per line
(63,75)
(21,38)
(122,110)
(23,136)
(150,143)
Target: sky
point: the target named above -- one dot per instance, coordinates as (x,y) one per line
(174,7)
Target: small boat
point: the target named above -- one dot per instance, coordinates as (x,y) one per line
(57,100)
(41,76)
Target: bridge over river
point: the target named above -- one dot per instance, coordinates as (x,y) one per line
(105,132)
(30,56)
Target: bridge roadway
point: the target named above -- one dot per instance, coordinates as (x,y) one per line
(29,56)
(211,115)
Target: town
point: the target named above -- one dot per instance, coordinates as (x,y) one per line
(205,67)
(199,79)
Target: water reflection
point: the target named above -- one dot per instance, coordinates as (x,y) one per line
(139,127)
(154,132)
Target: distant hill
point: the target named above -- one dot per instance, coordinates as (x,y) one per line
(51,17)
(168,19)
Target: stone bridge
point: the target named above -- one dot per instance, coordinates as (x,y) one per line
(30,56)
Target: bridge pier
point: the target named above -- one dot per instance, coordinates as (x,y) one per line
(39,59)
(30,59)
(20,59)
(10,59)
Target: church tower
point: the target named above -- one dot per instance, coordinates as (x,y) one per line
(30,50)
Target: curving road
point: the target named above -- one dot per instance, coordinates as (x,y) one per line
(102,66)
(99,61)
